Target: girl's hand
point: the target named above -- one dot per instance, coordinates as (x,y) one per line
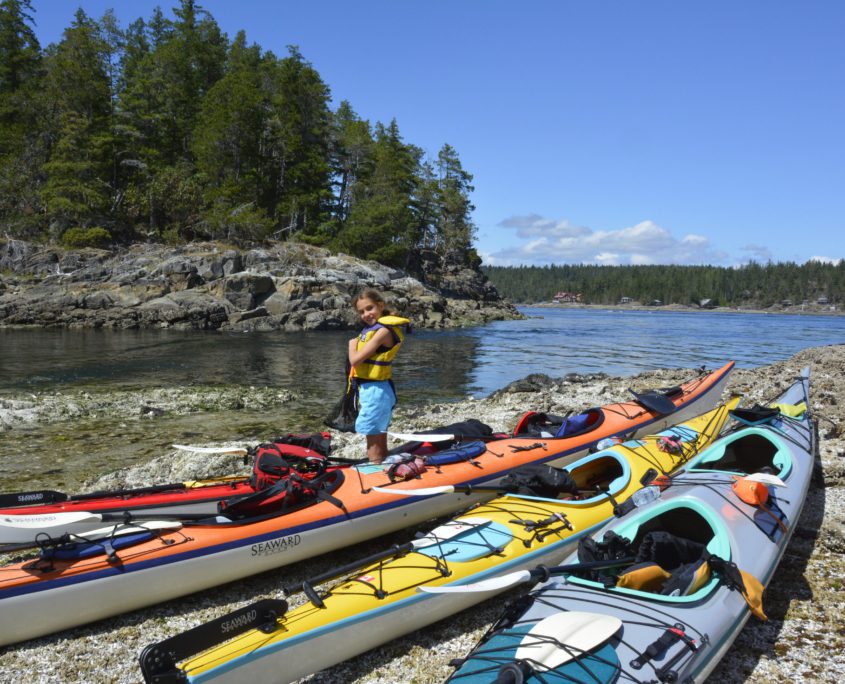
(383,337)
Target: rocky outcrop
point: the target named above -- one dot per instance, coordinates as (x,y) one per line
(207,286)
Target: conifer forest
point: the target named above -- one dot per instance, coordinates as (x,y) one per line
(169,130)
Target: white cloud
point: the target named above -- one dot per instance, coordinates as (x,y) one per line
(824,259)
(545,241)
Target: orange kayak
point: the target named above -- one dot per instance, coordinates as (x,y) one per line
(78,583)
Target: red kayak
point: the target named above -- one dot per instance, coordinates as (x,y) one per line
(284,458)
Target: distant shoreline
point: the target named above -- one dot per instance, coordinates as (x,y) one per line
(809,309)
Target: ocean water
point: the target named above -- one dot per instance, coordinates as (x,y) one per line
(434,365)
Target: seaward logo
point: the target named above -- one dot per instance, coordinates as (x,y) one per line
(273,546)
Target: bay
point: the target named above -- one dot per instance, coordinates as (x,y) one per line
(435,365)
(439,366)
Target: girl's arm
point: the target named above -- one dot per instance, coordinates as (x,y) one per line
(382,338)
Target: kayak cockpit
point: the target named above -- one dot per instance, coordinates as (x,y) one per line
(593,477)
(666,550)
(753,450)
(548,426)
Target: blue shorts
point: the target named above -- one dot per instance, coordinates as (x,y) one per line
(376,400)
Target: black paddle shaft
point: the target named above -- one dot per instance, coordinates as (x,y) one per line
(42,496)
(158,661)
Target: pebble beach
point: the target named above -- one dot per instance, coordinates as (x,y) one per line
(803,640)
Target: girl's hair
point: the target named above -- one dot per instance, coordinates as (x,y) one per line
(374,295)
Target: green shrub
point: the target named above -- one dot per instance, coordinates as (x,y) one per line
(86,237)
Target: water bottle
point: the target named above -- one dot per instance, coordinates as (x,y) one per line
(645,496)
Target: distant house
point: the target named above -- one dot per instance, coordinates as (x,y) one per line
(822,300)
(656,302)
(707,304)
(625,300)
(786,302)
(567,297)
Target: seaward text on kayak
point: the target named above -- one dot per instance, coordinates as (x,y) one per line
(279,545)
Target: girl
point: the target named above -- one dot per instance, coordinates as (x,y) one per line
(371,356)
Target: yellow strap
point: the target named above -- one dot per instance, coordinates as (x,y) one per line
(752,592)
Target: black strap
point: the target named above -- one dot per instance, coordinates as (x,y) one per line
(658,647)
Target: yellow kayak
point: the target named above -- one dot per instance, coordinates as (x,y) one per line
(376,599)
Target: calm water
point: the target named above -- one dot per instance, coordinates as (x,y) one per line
(434,365)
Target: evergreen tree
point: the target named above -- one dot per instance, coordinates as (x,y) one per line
(297,148)
(227,143)
(21,147)
(381,221)
(20,66)
(78,89)
(168,68)
(351,159)
(454,228)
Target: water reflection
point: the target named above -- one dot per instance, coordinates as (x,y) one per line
(432,364)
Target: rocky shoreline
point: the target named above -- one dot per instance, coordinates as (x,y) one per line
(811,309)
(802,641)
(211,286)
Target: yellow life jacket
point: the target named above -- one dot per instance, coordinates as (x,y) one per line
(380,365)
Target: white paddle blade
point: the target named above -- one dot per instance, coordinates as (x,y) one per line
(766,478)
(119,530)
(22,529)
(423,491)
(239,451)
(559,638)
(494,584)
(421,437)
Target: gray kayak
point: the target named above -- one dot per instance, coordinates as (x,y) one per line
(660,593)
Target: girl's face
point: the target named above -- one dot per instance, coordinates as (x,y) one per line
(368,310)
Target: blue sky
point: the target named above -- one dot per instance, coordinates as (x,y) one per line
(597,131)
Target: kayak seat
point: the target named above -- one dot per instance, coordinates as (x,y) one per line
(581,423)
(650,577)
(534,424)
(751,452)
(604,471)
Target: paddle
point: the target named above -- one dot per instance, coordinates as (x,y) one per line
(160,658)
(541,572)
(23,529)
(653,401)
(112,531)
(243,451)
(422,437)
(766,478)
(559,638)
(237,451)
(431,491)
(48,496)
(42,496)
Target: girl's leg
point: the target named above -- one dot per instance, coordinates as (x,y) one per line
(377,447)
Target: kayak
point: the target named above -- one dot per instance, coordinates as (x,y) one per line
(660,594)
(258,534)
(375,599)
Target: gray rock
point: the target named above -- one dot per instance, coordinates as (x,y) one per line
(286,286)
